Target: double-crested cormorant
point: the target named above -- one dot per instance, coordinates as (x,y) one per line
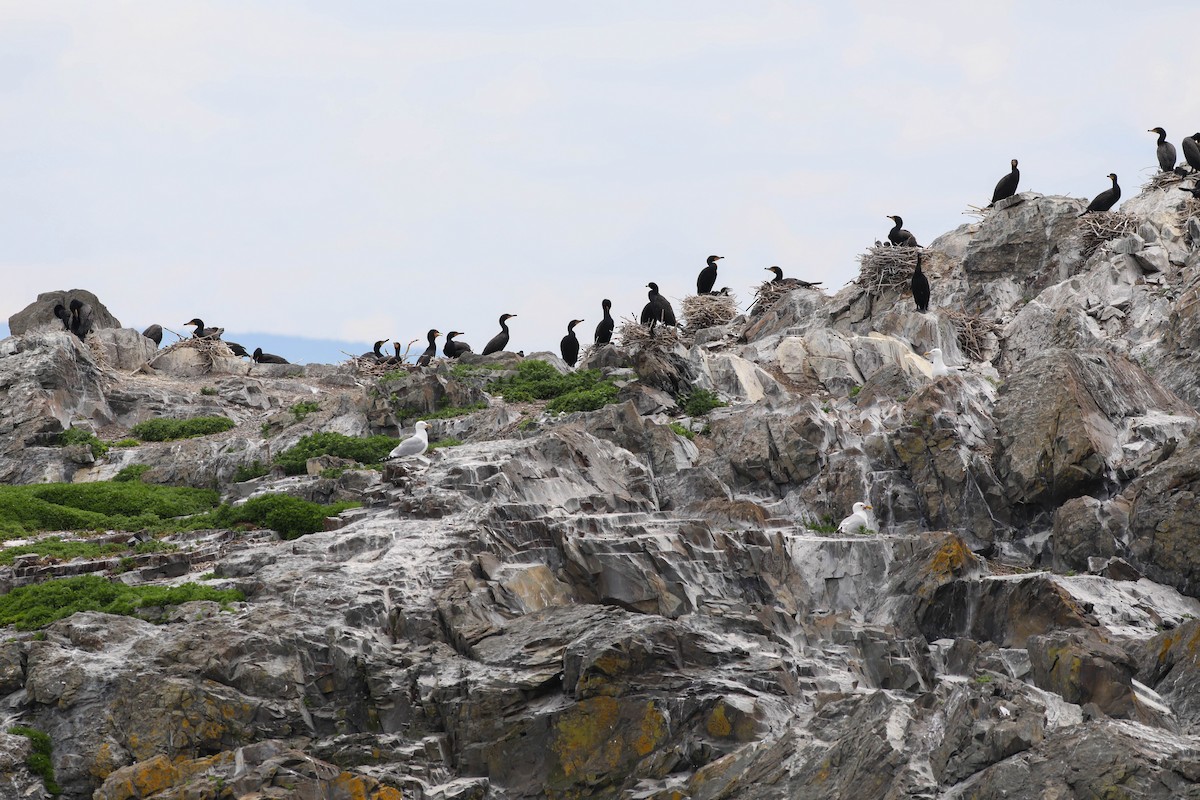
(1106,199)
(1006,187)
(63,315)
(268,358)
(430,351)
(237,349)
(202,332)
(500,340)
(1191,150)
(900,237)
(920,287)
(604,328)
(1165,152)
(569,346)
(858,521)
(658,309)
(415,445)
(376,353)
(790,281)
(154,334)
(81,318)
(707,278)
(453,349)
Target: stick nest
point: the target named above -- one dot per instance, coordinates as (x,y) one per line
(1162,180)
(884,268)
(708,310)
(98,355)
(637,337)
(1105,226)
(975,333)
(770,292)
(209,348)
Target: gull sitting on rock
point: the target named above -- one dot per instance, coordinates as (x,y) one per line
(939,366)
(857,522)
(415,445)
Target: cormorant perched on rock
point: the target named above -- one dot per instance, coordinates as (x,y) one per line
(81,318)
(415,445)
(858,521)
(569,346)
(237,349)
(1191,150)
(202,332)
(604,328)
(900,237)
(376,353)
(1006,187)
(658,309)
(708,276)
(790,281)
(268,358)
(1165,152)
(920,286)
(453,349)
(1106,199)
(154,334)
(500,340)
(430,351)
(63,315)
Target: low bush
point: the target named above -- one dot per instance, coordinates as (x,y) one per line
(585,390)
(167,429)
(686,433)
(133,472)
(303,409)
(699,402)
(248,472)
(290,517)
(126,506)
(443,413)
(60,550)
(80,436)
(41,757)
(365,450)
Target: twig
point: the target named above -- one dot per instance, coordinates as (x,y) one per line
(638,338)
(884,268)
(708,310)
(1105,226)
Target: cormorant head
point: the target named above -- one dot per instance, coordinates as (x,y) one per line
(433,334)
(76,305)
(606,304)
(895,219)
(505,317)
(452,334)
(257,353)
(1159,131)
(712,260)
(574,322)
(198,323)
(778,272)
(652,286)
(1113,176)
(1014,163)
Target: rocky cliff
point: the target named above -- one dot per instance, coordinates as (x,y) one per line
(606,604)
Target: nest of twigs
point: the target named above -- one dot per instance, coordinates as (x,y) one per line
(1162,180)
(884,268)
(974,332)
(708,310)
(1104,226)
(639,338)
(375,367)
(768,294)
(97,350)
(209,348)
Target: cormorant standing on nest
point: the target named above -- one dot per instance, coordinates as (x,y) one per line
(604,328)
(202,332)
(1006,187)
(81,318)
(790,281)
(430,351)
(658,309)
(453,349)
(1106,199)
(268,358)
(707,278)
(63,315)
(900,237)
(1165,152)
(500,340)
(1191,150)
(920,286)
(569,346)
(154,334)
(237,349)
(376,353)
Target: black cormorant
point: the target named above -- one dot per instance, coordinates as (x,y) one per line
(237,349)
(500,340)
(708,276)
(900,237)
(920,286)
(154,334)
(1191,150)
(790,281)
(1166,150)
(604,328)
(63,315)
(376,353)
(1106,199)
(658,309)
(569,346)
(453,349)
(268,358)
(430,351)
(1006,187)
(1194,191)
(81,318)
(202,332)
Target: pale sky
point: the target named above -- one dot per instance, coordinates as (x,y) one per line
(355,171)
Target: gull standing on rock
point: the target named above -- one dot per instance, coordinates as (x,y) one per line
(415,445)
(940,367)
(857,521)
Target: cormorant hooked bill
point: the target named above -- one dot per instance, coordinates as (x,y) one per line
(1006,187)
(707,278)
(1106,199)
(500,340)
(604,328)
(569,346)
(453,349)
(1165,151)
(658,309)
(430,351)
(267,358)
(900,237)
(920,286)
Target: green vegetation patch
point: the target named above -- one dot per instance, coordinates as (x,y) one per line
(586,390)
(36,606)
(699,402)
(290,517)
(685,432)
(56,548)
(303,409)
(248,472)
(126,506)
(133,472)
(364,450)
(445,413)
(448,442)
(40,760)
(129,442)
(80,436)
(167,429)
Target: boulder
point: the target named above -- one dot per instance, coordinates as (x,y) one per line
(39,314)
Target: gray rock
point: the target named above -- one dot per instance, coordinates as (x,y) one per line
(39,315)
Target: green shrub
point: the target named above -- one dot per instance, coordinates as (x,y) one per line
(448,442)
(854,390)
(683,431)
(364,450)
(585,390)
(591,399)
(37,605)
(701,401)
(127,506)
(133,472)
(80,436)
(130,442)
(208,391)
(167,429)
(56,548)
(40,760)
(445,413)
(290,517)
(303,409)
(248,472)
